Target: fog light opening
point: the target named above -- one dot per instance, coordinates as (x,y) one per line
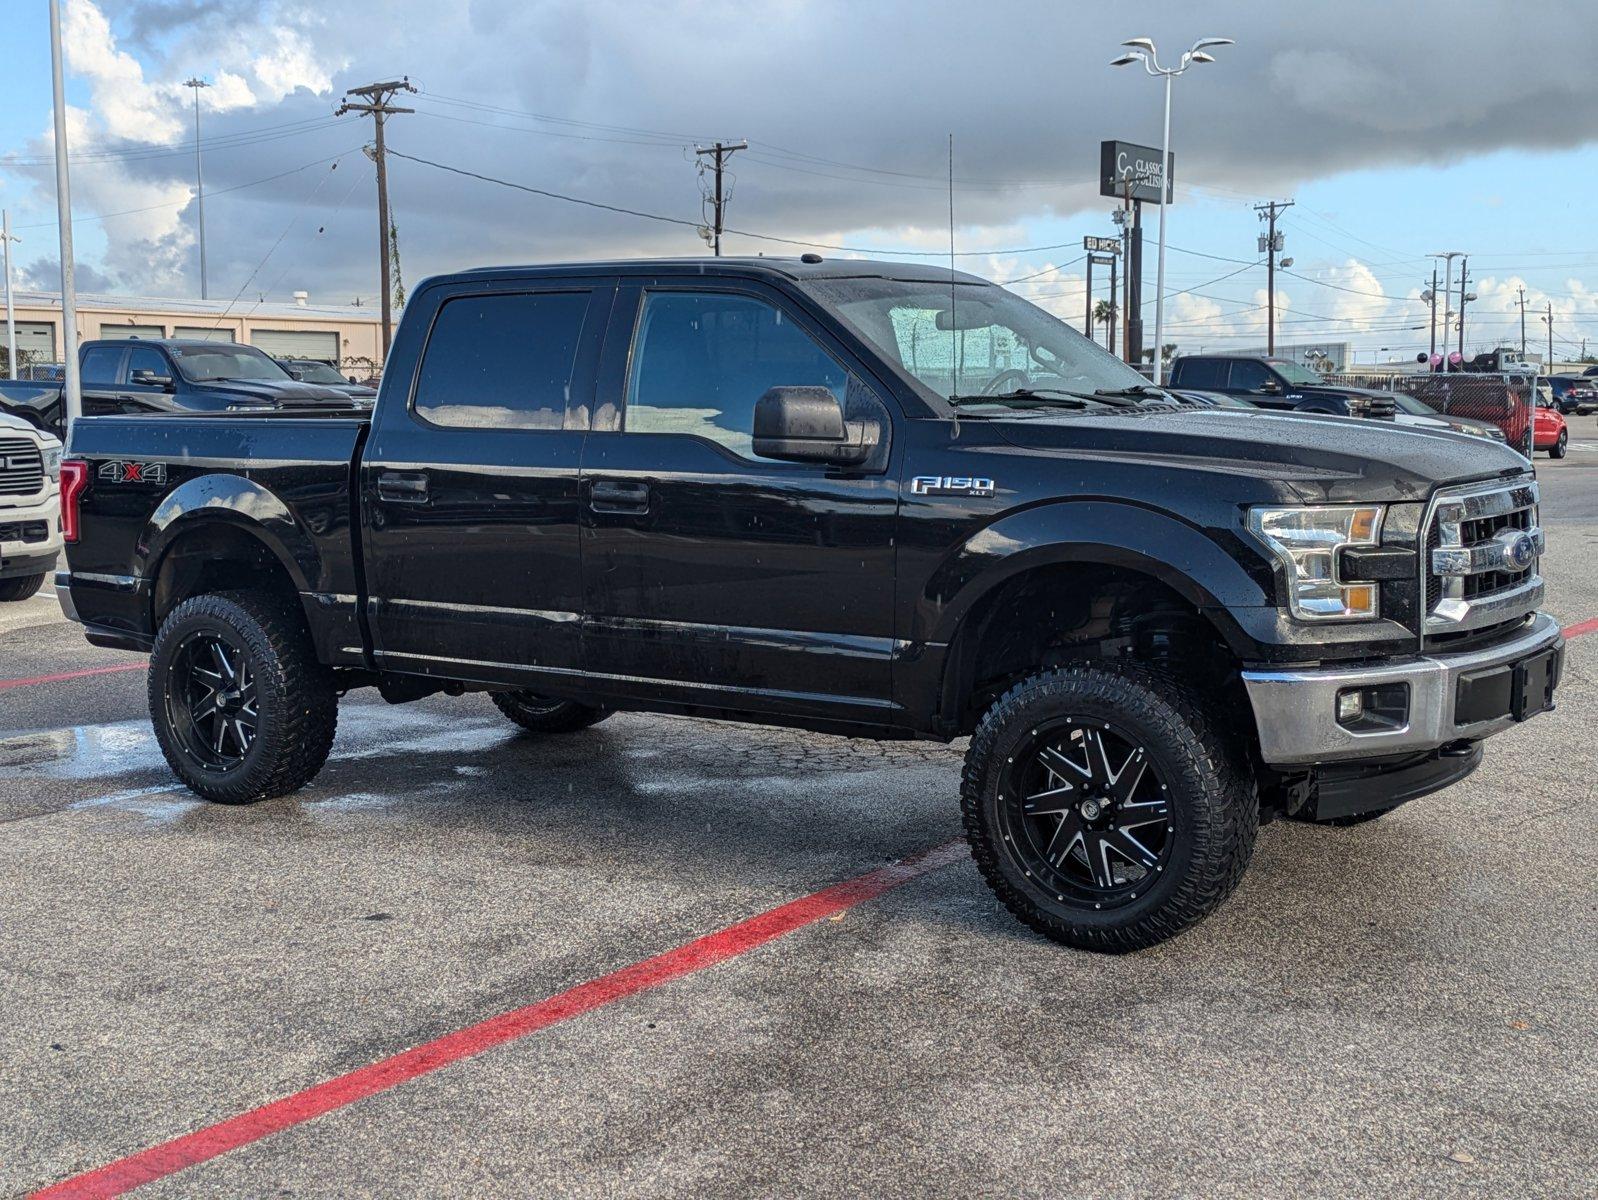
(1380,709)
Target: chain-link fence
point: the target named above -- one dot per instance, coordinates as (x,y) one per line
(1507,401)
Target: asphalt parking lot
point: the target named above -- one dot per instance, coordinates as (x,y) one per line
(471,962)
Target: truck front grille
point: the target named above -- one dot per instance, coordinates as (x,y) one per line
(1482,550)
(21,467)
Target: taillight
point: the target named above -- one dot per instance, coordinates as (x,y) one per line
(74,478)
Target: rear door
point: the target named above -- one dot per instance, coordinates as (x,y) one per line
(713,576)
(468,482)
(99,378)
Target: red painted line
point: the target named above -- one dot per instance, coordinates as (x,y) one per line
(17,683)
(1580,627)
(167,1158)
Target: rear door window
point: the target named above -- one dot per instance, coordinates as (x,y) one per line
(100,365)
(502,361)
(1201,372)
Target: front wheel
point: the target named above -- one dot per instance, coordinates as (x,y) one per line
(1103,809)
(242,709)
(540,714)
(1562,446)
(20,587)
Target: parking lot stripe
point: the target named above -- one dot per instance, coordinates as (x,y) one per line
(36,679)
(167,1158)
(1580,627)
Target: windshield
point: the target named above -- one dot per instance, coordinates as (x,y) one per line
(1294,373)
(317,372)
(201,364)
(1412,406)
(979,341)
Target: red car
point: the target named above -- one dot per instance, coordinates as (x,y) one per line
(1549,431)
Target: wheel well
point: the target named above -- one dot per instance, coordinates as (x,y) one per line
(216,558)
(1072,612)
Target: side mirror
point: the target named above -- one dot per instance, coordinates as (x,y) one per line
(806,424)
(1271,388)
(149,378)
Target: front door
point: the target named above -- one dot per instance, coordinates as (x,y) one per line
(713,576)
(469,482)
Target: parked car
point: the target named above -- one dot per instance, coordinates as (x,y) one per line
(131,375)
(1576,395)
(1279,383)
(1409,413)
(309,370)
(768,490)
(1549,431)
(30,507)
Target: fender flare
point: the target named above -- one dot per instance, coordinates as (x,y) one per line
(1098,532)
(235,502)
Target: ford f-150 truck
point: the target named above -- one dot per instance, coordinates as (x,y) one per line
(149,375)
(864,498)
(30,509)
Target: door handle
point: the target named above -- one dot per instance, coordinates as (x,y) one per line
(609,496)
(401,487)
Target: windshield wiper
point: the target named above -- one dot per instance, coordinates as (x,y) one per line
(1136,390)
(1040,396)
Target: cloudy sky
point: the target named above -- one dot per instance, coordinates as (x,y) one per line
(1399,130)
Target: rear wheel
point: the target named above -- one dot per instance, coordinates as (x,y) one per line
(242,709)
(20,587)
(1103,810)
(541,714)
(1562,446)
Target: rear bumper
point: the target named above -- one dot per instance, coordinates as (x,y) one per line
(1451,698)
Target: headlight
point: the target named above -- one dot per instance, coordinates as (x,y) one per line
(1306,542)
(52,461)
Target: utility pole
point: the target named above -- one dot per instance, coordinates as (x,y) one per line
(1464,264)
(1550,320)
(71,386)
(375,99)
(1448,257)
(1271,245)
(1522,292)
(719,153)
(197,83)
(11,313)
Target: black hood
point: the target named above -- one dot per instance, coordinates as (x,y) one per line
(287,393)
(1321,459)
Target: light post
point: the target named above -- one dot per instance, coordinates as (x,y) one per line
(71,390)
(1448,257)
(197,83)
(1143,51)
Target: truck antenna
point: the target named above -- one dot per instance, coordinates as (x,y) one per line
(955,345)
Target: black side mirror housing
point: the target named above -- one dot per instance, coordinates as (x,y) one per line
(150,379)
(1271,388)
(806,424)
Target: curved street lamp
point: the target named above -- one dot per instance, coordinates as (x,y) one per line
(1143,50)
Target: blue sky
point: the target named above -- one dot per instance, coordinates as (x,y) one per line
(1387,158)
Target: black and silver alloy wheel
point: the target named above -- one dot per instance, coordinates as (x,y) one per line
(212,707)
(1086,812)
(1104,806)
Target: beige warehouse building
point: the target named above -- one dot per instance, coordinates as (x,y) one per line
(344,335)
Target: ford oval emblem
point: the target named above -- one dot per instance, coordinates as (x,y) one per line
(1519,550)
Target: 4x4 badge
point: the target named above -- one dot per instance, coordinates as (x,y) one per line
(950,485)
(120,471)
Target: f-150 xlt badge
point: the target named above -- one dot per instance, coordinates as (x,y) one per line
(118,471)
(950,485)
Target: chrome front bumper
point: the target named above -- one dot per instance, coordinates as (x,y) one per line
(1295,710)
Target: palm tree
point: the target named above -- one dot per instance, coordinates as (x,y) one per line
(1104,314)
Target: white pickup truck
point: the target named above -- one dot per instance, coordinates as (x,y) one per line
(30,507)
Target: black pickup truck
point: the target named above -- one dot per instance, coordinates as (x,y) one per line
(864,498)
(151,375)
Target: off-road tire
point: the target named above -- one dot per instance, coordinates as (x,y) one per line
(538,714)
(297,700)
(1213,803)
(20,587)
(1562,446)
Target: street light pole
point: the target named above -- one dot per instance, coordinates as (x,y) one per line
(1143,50)
(71,390)
(1448,257)
(197,83)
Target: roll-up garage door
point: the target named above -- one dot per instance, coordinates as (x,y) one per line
(297,343)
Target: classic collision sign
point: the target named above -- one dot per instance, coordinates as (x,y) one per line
(1121,162)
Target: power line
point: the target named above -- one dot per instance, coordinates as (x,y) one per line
(269,133)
